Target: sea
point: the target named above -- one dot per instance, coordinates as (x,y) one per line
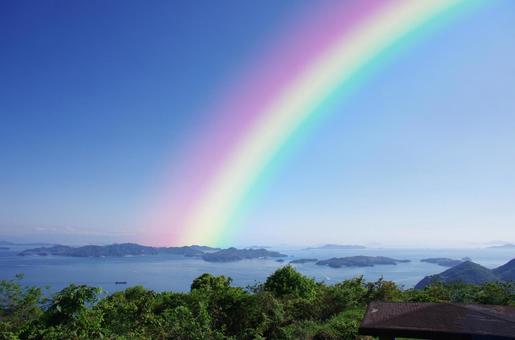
(175,273)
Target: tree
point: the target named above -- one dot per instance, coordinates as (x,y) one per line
(210,282)
(19,306)
(286,281)
(70,315)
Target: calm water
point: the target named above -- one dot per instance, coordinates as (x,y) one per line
(176,272)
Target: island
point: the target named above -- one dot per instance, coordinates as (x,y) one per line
(117,250)
(338,247)
(232,254)
(4,248)
(443,261)
(7,243)
(359,261)
(132,249)
(471,273)
(303,261)
(258,247)
(503,246)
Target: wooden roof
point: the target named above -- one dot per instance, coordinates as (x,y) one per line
(439,321)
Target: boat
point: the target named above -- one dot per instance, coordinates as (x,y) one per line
(120,282)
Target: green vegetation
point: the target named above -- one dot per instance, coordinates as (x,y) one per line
(287,305)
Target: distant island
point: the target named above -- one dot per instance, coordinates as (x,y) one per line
(338,246)
(116,250)
(359,261)
(443,261)
(473,273)
(132,249)
(303,261)
(4,248)
(258,247)
(503,246)
(7,243)
(232,254)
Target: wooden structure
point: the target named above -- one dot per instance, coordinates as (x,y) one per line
(389,320)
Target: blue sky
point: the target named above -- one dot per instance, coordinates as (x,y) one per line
(97,96)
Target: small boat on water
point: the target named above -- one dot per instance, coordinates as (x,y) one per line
(120,282)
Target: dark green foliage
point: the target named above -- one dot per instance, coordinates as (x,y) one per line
(209,282)
(19,306)
(494,293)
(287,306)
(287,281)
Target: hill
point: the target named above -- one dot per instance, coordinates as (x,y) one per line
(466,272)
(359,261)
(506,272)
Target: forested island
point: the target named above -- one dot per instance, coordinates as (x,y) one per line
(131,249)
(286,306)
(232,254)
(301,261)
(359,261)
(443,261)
(472,273)
(113,250)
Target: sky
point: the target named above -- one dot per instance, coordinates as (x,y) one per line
(97,99)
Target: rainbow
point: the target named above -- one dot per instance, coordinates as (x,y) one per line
(323,49)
